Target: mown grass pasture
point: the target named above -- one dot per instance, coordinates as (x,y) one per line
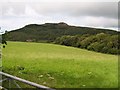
(59,66)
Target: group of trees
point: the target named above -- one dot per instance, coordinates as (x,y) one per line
(101,42)
(50,31)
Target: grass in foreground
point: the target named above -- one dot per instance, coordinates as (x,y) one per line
(60,66)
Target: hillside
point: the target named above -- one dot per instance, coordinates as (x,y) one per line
(60,66)
(48,32)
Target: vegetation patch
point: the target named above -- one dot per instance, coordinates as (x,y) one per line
(59,66)
(104,43)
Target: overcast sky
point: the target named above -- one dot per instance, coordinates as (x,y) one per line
(18,13)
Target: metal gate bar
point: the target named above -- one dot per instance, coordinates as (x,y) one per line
(25,81)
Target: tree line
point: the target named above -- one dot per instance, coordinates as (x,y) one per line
(104,43)
(50,31)
(100,40)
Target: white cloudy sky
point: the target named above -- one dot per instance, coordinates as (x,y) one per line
(95,13)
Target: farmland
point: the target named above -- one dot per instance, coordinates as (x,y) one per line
(59,66)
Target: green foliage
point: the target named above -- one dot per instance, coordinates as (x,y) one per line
(96,46)
(101,42)
(87,41)
(50,31)
(4,36)
(59,66)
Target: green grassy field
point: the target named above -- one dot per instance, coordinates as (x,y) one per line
(59,66)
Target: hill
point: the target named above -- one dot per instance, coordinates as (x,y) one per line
(48,32)
(60,66)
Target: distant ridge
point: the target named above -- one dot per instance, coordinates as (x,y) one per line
(48,32)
